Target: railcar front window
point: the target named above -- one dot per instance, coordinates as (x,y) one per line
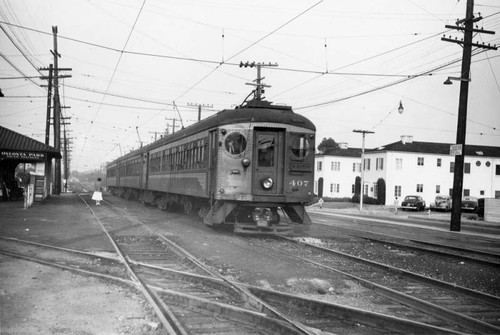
(235,143)
(300,147)
(265,150)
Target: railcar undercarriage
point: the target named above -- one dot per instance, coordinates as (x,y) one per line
(252,218)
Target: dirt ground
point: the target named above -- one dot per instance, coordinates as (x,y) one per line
(38,299)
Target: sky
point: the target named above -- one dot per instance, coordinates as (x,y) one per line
(138,65)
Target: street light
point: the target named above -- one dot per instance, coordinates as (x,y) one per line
(400,108)
(449,80)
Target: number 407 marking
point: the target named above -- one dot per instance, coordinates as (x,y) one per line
(299,183)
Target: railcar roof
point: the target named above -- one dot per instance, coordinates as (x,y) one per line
(253,111)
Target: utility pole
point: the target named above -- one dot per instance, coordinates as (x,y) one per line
(199,108)
(364,132)
(467,25)
(57,114)
(258,82)
(49,105)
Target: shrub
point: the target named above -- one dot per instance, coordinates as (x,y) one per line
(366,200)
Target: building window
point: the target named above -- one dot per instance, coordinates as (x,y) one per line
(397,191)
(320,166)
(466,192)
(497,170)
(380,163)
(438,189)
(478,163)
(335,166)
(420,161)
(353,188)
(334,188)
(452,167)
(467,168)
(356,167)
(420,188)
(450,192)
(399,163)
(438,163)
(366,189)
(367,164)
(481,192)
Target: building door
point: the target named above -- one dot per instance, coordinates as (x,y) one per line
(320,187)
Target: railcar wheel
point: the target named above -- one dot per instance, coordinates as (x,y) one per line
(188,205)
(203,211)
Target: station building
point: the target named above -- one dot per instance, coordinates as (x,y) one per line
(23,162)
(412,168)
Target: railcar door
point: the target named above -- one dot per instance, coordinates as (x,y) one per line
(144,171)
(212,160)
(268,167)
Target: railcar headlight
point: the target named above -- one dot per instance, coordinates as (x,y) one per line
(245,162)
(267,183)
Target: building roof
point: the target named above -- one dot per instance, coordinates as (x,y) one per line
(437,148)
(12,141)
(348,152)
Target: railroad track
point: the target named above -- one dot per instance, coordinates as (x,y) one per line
(462,253)
(325,316)
(190,299)
(207,308)
(444,305)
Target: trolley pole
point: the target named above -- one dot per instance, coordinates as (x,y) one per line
(362,191)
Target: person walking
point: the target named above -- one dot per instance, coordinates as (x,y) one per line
(396,205)
(97,196)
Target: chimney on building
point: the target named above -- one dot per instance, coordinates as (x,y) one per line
(406,139)
(343,145)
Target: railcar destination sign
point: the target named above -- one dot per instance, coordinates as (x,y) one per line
(22,155)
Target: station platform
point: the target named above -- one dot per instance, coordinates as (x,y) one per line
(59,220)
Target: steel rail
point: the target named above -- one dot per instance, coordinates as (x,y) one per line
(85,253)
(171,326)
(245,294)
(480,253)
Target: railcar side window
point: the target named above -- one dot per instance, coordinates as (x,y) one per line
(265,150)
(235,143)
(300,146)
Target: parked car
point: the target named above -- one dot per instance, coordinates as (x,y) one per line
(413,202)
(469,204)
(441,203)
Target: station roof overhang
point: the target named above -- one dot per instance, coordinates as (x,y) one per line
(21,148)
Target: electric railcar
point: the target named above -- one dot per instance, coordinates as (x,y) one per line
(244,165)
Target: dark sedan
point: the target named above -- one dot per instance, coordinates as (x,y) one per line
(469,204)
(414,202)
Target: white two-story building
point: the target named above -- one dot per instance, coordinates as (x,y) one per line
(336,172)
(414,168)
